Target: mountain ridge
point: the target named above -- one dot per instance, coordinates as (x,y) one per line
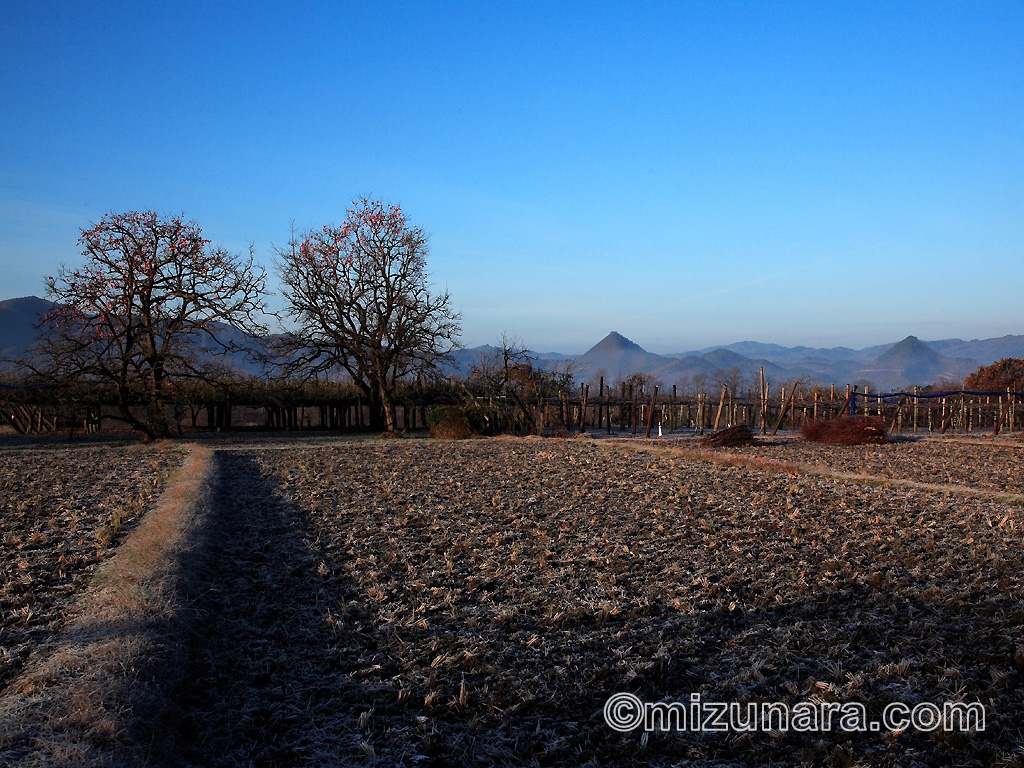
(898,364)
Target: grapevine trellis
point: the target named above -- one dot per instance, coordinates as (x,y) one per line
(611,410)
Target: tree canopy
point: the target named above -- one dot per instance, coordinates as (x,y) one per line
(143,311)
(359,299)
(1003,374)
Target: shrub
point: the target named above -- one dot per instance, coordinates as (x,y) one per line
(846,430)
(448,424)
(1008,372)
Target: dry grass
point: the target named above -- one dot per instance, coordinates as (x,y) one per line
(436,604)
(62,510)
(88,688)
(452,426)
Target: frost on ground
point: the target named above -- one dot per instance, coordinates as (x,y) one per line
(984,462)
(62,512)
(477,602)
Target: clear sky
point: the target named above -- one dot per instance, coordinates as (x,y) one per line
(687,174)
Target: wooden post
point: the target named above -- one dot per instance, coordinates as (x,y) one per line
(721,405)
(650,415)
(672,412)
(916,403)
(608,409)
(785,407)
(1009,403)
(763,403)
(633,413)
(622,407)
(583,409)
(897,418)
(845,407)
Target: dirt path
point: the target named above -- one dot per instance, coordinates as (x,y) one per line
(97,692)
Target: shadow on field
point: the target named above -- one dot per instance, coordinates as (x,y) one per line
(292,662)
(263,682)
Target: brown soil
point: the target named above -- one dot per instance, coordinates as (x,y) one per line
(984,463)
(477,602)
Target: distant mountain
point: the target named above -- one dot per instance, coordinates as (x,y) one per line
(912,362)
(683,368)
(885,366)
(794,355)
(617,356)
(821,369)
(18,320)
(985,351)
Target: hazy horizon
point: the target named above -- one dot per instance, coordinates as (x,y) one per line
(669,351)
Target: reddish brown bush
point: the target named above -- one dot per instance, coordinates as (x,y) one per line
(452,426)
(1008,372)
(846,430)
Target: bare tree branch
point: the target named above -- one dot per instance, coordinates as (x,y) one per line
(143,311)
(360,301)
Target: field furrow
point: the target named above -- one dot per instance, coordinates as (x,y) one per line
(406,603)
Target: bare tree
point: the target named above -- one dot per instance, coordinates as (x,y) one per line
(144,311)
(360,301)
(700,383)
(496,369)
(508,378)
(640,382)
(730,377)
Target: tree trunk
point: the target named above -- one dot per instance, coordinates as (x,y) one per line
(387,407)
(156,417)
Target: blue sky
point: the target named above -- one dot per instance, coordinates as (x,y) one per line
(687,174)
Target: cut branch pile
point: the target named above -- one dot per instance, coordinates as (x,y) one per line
(738,435)
(451,426)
